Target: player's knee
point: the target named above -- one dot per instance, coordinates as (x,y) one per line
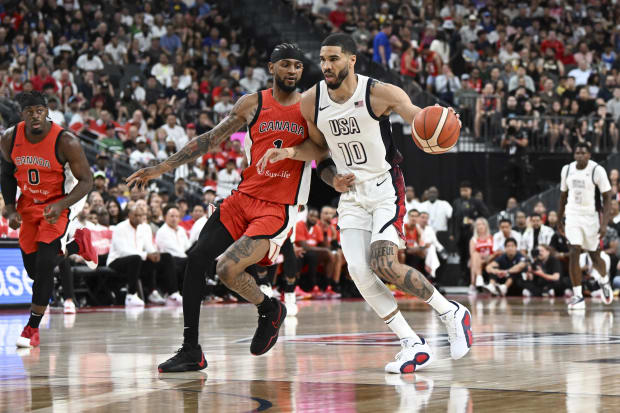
(360,272)
(225,270)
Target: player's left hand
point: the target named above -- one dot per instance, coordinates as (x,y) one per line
(272,155)
(601,232)
(52,212)
(343,183)
(143,176)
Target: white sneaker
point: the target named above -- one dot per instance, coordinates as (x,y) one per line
(472,291)
(460,335)
(608,292)
(491,287)
(479,281)
(266,289)
(502,289)
(69,307)
(275,292)
(132,300)
(551,292)
(290,302)
(174,299)
(411,358)
(577,303)
(155,298)
(526,293)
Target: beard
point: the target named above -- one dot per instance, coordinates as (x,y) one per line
(283,86)
(339,79)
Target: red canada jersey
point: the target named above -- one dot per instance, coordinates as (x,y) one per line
(411,235)
(312,236)
(276,126)
(484,245)
(40,175)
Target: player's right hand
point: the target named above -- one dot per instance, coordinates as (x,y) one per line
(143,176)
(15,220)
(272,155)
(343,183)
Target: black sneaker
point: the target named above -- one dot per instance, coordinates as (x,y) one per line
(188,358)
(266,334)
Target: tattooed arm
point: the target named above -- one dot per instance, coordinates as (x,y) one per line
(241,114)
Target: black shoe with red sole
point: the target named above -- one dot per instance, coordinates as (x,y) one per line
(188,358)
(266,334)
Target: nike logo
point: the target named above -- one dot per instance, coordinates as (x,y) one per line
(276,324)
(324,107)
(379,184)
(202,362)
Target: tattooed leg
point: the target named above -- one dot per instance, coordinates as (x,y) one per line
(231,267)
(384,263)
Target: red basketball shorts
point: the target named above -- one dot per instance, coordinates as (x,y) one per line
(35,228)
(243,215)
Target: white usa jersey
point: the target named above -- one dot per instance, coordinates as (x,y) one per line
(581,186)
(360,142)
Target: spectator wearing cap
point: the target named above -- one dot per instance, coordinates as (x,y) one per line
(89,62)
(163,71)
(469,32)
(224,106)
(227,180)
(102,165)
(382,50)
(141,156)
(175,131)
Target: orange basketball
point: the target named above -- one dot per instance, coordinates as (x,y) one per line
(435,130)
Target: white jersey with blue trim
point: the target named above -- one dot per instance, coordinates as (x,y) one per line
(360,142)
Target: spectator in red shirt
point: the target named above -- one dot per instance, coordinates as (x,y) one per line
(42,78)
(331,236)
(551,42)
(309,236)
(197,212)
(338,16)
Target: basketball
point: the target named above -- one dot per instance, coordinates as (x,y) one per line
(435,130)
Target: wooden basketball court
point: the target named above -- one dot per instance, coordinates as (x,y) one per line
(528,357)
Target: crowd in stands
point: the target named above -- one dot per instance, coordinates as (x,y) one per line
(532,73)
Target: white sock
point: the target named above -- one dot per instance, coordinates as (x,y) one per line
(401,328)
(577,291)
(439,303)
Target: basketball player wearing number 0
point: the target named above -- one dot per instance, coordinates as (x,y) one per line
(347,116)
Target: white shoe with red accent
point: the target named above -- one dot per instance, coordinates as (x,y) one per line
(413,357)
(291,304)
(69,307)
(460,334)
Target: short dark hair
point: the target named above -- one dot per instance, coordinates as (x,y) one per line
(33,98)
(585,145)
(346,42)
(168,207)
(465,184)
(501,221)
(535,214)
(413,210)
(510,239)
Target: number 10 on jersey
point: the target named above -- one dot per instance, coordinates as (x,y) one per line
(353,152)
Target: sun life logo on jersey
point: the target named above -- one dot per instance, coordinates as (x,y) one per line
(344,126)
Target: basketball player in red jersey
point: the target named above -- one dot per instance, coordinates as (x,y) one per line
(52,172)
(252,224)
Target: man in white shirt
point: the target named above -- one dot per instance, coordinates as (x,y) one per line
(89,62)
(581,73)
(163,71)
(439,211)
(172,243)
(469,33)
(536,234)
(132,245)
(117,50)
(411,202)
(505,232)
(227,180)
(141,156)
(248,83)
(173,130)
(224,106)
(200,222)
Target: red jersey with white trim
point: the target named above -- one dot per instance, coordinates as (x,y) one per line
(312,236)
(40,175)
(484,246)
(276,126)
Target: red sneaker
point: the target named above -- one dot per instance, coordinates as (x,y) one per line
(330,293)
(85,247)
(398,294)
(317,294)
(301,294)
(29,338)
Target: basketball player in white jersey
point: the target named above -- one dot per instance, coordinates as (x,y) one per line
(579,182)
(347,116)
